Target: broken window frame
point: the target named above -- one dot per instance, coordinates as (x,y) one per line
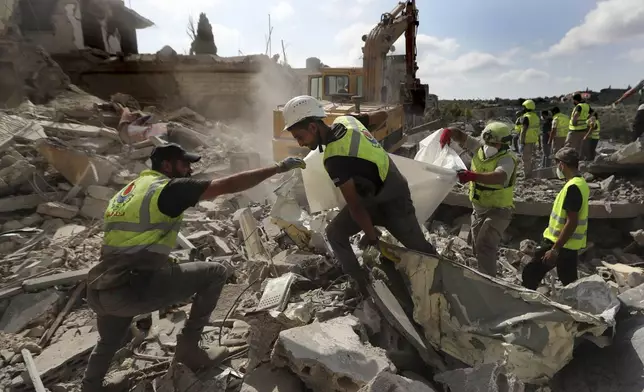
(332,83)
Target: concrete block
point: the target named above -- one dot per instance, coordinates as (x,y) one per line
(266,378)
(330,356)
(31,220)
(67,231)
(78,167)
(69,131)
(100,192)
(490,376)
(58,210)
(27,307)
(390,382)
(26,202)
(66,352)
(93,208)
(17,173)
(633,299)
(63,278)
(12,225)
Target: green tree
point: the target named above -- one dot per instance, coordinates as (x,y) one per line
(203,41)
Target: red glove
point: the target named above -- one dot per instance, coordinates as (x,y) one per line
(465,176)
(446,137)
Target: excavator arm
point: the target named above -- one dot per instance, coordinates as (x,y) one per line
(403,19)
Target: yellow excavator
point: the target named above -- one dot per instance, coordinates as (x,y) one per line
(359,90)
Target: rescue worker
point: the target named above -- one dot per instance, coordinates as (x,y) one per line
(517,129)
(136,274)
(492,178)
(544,138)
(529,135)
(565,235)
(591,139)
(638,121)
(375,191)
(559,130)
(578,124)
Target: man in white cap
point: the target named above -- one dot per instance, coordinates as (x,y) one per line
(375,191)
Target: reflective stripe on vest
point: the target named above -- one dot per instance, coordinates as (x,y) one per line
(133,222)
(596,129)
(359,143)
(490,196)
(582,120)
(558,216)
(532,136)
(563,122)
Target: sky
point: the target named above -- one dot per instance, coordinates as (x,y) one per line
(466,48)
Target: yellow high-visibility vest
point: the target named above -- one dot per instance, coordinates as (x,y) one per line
(486,195)
(133,222)
(582,120)
(359,143)
(558,216)
(532,136)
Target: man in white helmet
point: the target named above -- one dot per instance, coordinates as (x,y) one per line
(375,191)
(492,178)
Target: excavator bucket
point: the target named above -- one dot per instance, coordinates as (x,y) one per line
(416,99)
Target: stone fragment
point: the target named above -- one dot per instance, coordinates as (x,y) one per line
(27,307)
(390,382)
(93,208)
(490,376)
(31,220)
(528,247)
(57,210)
(266,378)
(300,262)
(67,231)
(12,225)
(633,299)
(608,184)
(26,202)
(330,356)
(100,192)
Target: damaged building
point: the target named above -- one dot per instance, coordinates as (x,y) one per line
(64,26)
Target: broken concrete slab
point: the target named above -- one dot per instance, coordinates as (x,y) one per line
(17,173)
(330,355)
(63,278)
(396,316)
(26,202)
(59,357)
(78,167)
(101,192)
(25,308)
(266,378)
(93,208)
(391,382)
(633,299)
(488,377)
(67,231)
(58,210)
(596,209)
(15,128)
(69,131)
(251,240)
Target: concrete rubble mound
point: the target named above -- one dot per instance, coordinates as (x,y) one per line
(290,318)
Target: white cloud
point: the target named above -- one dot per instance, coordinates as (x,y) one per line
(568,79)
(282,11)
(523,76)
(635,55)
(426,42)
(611,21)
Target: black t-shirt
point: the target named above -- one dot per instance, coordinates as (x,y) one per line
(573,199)
(180,194)
(342,168)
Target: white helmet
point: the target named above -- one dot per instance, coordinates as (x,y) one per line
(299,108)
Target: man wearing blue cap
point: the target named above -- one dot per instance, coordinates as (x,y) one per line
(136,275)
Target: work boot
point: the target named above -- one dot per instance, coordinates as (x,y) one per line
(196,357)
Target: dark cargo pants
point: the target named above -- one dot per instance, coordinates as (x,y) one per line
(566,264)
(146,292)
(391,208)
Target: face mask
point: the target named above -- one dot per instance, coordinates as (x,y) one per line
(489,151)
(560,174)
